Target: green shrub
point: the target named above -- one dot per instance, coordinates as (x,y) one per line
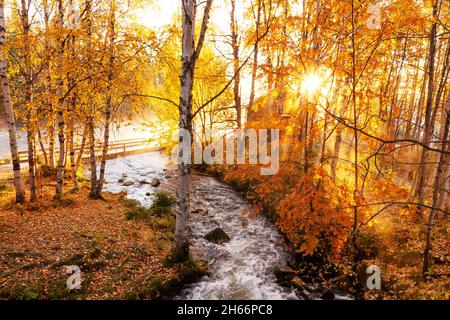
(162,203)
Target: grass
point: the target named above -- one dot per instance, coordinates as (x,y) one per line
(161,207)
(162,203)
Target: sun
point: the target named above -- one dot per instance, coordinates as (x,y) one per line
(311,84)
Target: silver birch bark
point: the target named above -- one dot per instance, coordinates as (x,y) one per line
(60,113)
(189,55)
(20,195)
(108,108)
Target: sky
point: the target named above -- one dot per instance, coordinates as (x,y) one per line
(162,11)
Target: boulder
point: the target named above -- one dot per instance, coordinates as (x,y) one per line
(328,295)
(217,236)
(155,183)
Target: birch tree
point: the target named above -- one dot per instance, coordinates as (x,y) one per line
(189,56)
(108,107)
(60,113)
(20,195)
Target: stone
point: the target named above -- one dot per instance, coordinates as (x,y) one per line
(128,183)
(155,183)
(217,236)
(328,295)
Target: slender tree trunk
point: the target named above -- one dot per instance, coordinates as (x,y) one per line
(255,62)
(82,146)
(60,114)
(108,108)
(189,56)
(237,78)
(437,183)
(72,114)
(355,124)
(445,185)
(181,241)
(422,174)
(41,145)
(90,120)
(337,151)
(73,165)
(20,194)
(49,89)
(30,119)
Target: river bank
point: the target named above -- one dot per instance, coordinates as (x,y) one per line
(322,270)
(119,258)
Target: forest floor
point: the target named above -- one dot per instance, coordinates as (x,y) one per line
(118,258)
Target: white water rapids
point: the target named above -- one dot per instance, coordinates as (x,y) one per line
(240,269)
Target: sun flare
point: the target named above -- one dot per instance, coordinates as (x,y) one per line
(311,84)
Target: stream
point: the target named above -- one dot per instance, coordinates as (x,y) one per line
(242,268)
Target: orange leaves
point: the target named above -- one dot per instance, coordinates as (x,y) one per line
(313,215)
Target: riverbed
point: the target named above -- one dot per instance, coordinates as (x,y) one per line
(242,268)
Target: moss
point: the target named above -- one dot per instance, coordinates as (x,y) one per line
(31,292)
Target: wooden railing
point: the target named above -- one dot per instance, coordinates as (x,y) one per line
(119,148)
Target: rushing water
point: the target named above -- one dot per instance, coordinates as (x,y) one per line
(240,269)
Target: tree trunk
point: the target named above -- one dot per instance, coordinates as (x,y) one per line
(90,120)
(41,145)
(30,121)
(437,183)
(72,117)
(445,185)
(49,89)
(108,108)
(337,150)
(422,174)
(237,78)
(255,62)
(189,56)
(20,195)
(60,114)
(82,146)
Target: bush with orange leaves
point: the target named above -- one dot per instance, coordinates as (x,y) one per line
(264,192)
(314,216)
